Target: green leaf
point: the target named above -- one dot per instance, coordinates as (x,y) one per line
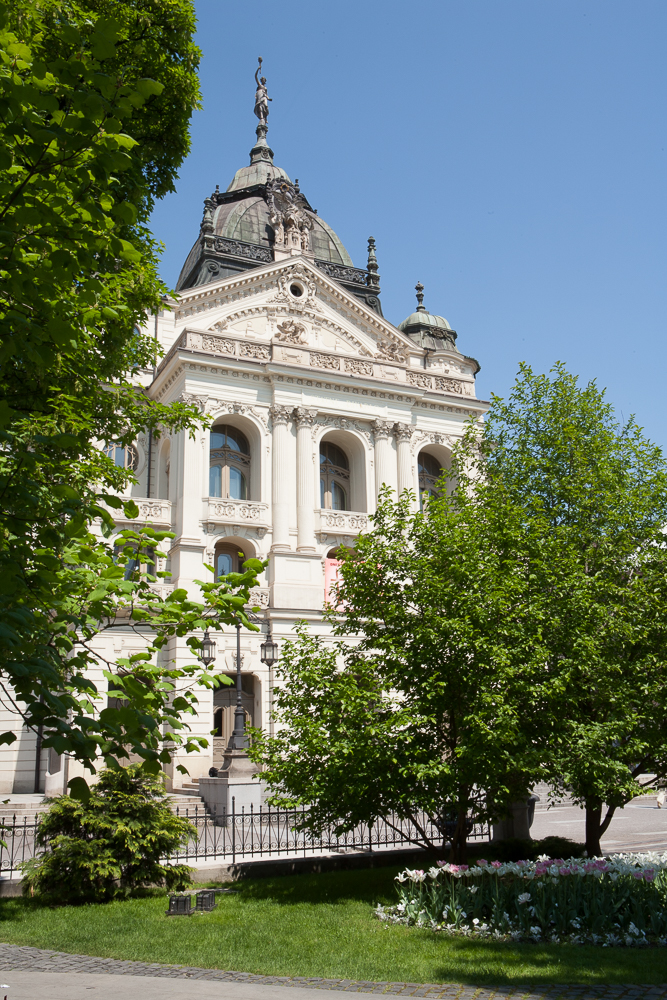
(78,789)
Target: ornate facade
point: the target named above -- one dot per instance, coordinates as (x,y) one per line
(315,401)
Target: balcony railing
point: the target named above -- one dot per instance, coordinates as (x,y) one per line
(250,512)
(340,522)
(155,512)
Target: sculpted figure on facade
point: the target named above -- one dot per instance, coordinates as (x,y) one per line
(390,350)
(288,214)
(291,332)
(261,96)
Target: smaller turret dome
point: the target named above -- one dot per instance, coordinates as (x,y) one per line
(426,329)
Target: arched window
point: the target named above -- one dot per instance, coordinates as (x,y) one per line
(230,463)
(430,471)
(124,456)
(228,559)
(334,477)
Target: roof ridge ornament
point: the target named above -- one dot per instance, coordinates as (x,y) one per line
(419,288)
(261,150)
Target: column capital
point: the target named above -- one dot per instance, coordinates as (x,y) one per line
(404,432)
(304,416)
(382,428)
(280,414)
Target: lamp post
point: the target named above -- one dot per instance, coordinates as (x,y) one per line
(269,655)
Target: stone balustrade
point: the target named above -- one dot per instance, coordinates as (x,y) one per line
(243,512)
(340,522)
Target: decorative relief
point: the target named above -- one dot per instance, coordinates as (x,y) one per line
(259,598)
(243,249)
(449,385)
(256,351)
(423,381)
(291,332)
(357,367)
(345,424)
(390,350)
(217,345)
(296,273)
(324,361)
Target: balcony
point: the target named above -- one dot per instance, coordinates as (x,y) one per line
(335,523)
(249,513)
(155,512)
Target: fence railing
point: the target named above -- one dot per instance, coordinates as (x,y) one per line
(267,832)
(256,833)
(19,836)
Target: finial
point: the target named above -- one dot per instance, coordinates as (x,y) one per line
(372,278)
(207,221)
(419,288)
(296,185)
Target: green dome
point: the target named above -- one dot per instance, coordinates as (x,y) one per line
(423,318)
(428,330)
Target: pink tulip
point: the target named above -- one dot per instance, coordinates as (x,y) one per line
(496,864)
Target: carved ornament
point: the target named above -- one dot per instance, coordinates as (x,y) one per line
(390,350)
(304,416)
(358,367)
(291,332)
(324,361)
(404,432)
(280,414)
(290,218)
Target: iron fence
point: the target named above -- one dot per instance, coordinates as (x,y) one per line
(267,832)
(18,845)
(254,833)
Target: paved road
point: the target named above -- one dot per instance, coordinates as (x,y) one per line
(641,826)
(32,973)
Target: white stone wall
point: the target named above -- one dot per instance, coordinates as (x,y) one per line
(347,377)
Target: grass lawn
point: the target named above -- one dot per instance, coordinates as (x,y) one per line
(313,925)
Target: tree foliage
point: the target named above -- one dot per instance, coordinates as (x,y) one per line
(515,630)
(95,102)
(114,843)
(599,490)
(421,714)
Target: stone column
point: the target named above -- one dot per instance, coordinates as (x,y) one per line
(305,516)
(404,434)
(385,467)
(280,494)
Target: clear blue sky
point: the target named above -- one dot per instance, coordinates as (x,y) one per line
(510,154)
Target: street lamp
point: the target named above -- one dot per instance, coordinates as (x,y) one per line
(207,654)
(269,655)
(269,650)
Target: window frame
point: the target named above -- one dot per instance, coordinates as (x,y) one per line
(229,459)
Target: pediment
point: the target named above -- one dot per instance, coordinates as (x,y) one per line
(322,317)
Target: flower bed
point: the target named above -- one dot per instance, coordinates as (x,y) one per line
(620,900)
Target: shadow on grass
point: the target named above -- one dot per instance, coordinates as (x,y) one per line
(369,885)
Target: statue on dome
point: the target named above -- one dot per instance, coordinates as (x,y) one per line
(261,96)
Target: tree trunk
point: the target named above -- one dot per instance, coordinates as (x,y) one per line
(593,831)
(459,852)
